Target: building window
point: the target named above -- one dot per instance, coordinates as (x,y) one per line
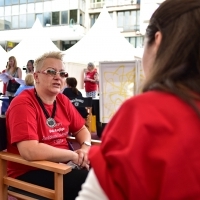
(128,20)
(40,17)
(47,6)
(1,11)
(137,42)
(38,7)
(7,2)
(15,10)
(55,18)
(73,16)
(82,5)
(30,20)
(47,19)
(67,44)
(93,19)
(15,22)
(97,3)
(1,2)
(64,17)
(22,9)
(30,8)
(15,1)
(22,21)
(30,1)
(22,1)
(7,23)
(7,10)
(82,18)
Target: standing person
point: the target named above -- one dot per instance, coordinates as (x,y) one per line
(40,131)
(150,148)
(72,91)
(4,84)
(13,72)
(29,83)
(30,67)
(90,80)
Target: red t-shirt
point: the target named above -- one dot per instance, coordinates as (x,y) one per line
(90,86)
(150,150)
(25,120)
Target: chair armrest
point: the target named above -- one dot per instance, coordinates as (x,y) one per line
(46,165)
(93,142)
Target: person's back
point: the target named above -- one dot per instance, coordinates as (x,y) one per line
(153,147)
(71,91)
(150,148)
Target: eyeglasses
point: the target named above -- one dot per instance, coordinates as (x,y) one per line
(53,72)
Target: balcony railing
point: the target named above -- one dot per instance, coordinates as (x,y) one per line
(114,3)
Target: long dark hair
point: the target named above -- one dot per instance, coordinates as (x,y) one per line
(32,62)
(176,67)
(72,82)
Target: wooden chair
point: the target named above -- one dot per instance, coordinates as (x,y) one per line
(84,102)
(32,191)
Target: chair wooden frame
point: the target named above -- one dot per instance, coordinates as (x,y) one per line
(58,169)
(5,181)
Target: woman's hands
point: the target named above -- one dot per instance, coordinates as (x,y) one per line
(91,80)
(81,158)
(9,76)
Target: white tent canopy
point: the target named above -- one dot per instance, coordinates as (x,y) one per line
(33,46)
(103,42)
(139,53)
(4,58)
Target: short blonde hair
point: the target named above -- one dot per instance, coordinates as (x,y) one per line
(29,79)
(53,54)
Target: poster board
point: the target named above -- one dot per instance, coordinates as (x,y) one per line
(118,82)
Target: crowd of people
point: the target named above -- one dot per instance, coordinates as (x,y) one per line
(150,147)
(13,87)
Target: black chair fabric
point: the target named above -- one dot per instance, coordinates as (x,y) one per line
(80,103)
(3,137)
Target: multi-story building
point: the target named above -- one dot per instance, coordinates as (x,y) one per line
(66,21)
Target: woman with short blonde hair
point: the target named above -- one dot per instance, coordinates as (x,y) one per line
(29,83)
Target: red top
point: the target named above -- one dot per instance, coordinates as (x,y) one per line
(25,120)
(90,86)
(150,150)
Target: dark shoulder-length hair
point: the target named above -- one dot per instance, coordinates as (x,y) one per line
(72,82)
(176,67)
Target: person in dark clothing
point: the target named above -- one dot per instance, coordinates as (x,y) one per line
(72,91)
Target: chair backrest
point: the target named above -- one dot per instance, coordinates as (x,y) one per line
(84,107)
(3,138)
(81,101)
